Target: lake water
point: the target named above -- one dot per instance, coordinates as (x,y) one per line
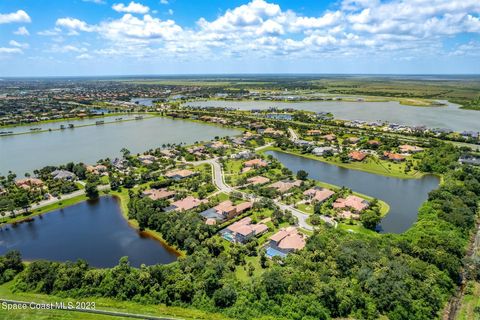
(24,153)
(448,117)
(404,196)
(93,230)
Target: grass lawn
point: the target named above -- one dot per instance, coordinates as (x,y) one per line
(241,272)
(307,208)
(357,228)
(470,308)
(375,166)
(100,303)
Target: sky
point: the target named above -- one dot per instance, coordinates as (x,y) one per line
(155,37)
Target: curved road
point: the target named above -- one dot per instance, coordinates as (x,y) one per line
(219,182)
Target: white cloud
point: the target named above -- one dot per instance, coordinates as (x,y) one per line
(10,50)
(84,56)
(164,1)
(19,16)
(21,31)
(133,7)
(131,27)
(260,29)
(74,24)
(14,43)
(170,12)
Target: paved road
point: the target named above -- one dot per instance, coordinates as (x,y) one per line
(219,182)
(293,134)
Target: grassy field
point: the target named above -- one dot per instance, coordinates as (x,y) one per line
(100,304)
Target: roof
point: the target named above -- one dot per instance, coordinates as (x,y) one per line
(187,203)
(255,163)
(394,156)
(258,180)
(289,239)
(319,194)
(283,186)
(354,202)
(357,155)
(225,206)
(180,173)
(245,227)
(29,181)
(409,148)
(157,194)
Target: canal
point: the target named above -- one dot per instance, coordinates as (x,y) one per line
(405,196)
(92,230)
(24,153)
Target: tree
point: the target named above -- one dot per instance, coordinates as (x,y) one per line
(91,190)
(225,297)
(302,175)
(370,219)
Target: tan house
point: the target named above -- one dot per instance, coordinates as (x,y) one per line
(285,241)
(285,185)
(158,194)
(258,180)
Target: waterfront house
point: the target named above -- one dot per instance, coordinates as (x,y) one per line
(321,151)
(283,242)
(147,159)
(158,194)
(357,155)
(185,204)
(179,174)
(318,194)
(63,175)
(393,156)
(243,230)
(98,169)
(354,202)
(29,183)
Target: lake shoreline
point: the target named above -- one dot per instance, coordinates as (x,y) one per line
(343,165)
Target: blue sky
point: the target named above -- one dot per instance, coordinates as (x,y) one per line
(103,37)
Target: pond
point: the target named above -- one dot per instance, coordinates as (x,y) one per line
(93,230)
(24,153)
(448,117)
(405,196)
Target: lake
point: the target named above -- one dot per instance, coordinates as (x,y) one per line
(92,230)
(448,117)
(405,196)
(24,153)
